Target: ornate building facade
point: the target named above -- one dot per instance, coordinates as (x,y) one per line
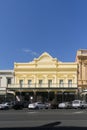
(47,77)
(81,59)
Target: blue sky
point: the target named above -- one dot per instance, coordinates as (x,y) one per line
(30,27)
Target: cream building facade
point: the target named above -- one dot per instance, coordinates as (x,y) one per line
(47,77)
(81,59)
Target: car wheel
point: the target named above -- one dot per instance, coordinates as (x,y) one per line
(36,107)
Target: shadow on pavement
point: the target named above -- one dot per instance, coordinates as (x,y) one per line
(49,126)
(45,128)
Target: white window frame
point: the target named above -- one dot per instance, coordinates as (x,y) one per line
(49,83)
(0,81)
(29,82)
(21,82)
(61,83)
(8,81)
(40,82)
(69,82)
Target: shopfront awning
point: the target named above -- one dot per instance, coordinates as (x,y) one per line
(11,92)
(83,93)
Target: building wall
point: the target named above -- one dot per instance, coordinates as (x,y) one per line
(45,68)
(81,59)
(6,75)
(43,75)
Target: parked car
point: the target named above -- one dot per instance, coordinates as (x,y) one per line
(47,105)
(79,104)
(37,105)
(84,105)
(25,104)
(66,105)
(9,104)
(18,105)
(54,104)
(4,106)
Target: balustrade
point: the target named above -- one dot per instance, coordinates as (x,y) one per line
(34,85)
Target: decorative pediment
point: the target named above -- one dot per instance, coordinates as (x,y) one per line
(45,59)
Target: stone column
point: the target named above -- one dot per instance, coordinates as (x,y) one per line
(80,73)
(45,81)
(54,84)
(85,71)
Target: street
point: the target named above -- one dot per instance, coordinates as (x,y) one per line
(43,118)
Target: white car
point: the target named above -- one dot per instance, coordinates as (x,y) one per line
(84,104)
(64,105)
(4,106)
(77,104)
(36,105)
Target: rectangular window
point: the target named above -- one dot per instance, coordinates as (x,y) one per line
(69,83)
(49,83)
(0,81)
(8,81)
(61,84)
(29,83)
(21,83)
(40,83)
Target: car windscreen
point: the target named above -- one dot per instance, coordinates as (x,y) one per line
(76,102)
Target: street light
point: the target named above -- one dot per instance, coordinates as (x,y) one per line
(31,99)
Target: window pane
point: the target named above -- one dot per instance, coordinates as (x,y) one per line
(49,83)
(29,83)
(40,83)
(61,84)
(8,81)
(70,83)
(0,81)
(21,83)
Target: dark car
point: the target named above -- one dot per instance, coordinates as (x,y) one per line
(25,104)
(18,105)
(53,105)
